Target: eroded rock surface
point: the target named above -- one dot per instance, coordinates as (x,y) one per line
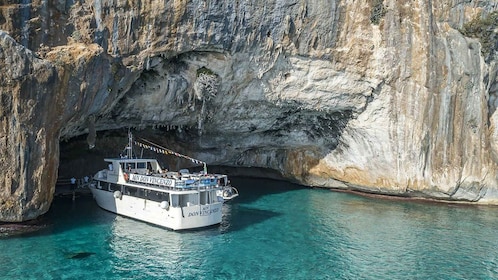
(390,97)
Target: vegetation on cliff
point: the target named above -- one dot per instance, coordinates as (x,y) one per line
(378,11)
(486,30)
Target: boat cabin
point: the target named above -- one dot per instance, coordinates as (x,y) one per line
(138,166)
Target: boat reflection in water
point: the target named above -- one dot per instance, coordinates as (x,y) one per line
(158,252)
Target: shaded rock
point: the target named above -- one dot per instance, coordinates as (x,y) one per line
(15,229)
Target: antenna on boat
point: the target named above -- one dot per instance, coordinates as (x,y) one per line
(129,149)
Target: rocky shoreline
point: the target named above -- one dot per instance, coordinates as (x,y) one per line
(17,229)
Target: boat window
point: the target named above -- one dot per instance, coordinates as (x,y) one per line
(182,201)
(114,187)
(157,196)
(204,198)
(213,197)
(127,166)
(140,193)
(174,200)
(222,181)
(141,165)
(131,191)
(188,199)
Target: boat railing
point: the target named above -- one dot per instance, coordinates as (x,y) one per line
(234,190)
(102,174)
(182,184)
(196,183)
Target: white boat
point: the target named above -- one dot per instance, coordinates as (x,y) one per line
(139,188)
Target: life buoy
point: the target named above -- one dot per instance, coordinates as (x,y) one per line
(125,175)
(226,193)
(164,205)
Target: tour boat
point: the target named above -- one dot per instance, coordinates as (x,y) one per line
(139,188)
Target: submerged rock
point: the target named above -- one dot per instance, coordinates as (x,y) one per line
(78,255)
(15,229)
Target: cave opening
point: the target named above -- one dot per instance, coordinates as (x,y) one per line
(77,160)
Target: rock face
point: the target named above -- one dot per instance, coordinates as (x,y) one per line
(392,97)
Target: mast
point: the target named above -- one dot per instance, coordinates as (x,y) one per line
(129,149)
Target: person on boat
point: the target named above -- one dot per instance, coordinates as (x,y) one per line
(73,183)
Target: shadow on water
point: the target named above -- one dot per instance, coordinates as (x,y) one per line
(251,189)
(235,218)
(242,212)
(238,217)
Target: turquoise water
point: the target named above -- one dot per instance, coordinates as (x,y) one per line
(274,230)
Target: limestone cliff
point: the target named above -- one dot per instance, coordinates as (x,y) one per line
(394,97)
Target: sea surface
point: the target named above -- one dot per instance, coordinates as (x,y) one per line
(274,230)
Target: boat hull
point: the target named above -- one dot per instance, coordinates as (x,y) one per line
(176,218)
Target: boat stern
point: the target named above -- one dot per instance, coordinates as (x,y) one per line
(197,216)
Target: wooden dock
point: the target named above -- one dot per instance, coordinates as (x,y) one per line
(72,187)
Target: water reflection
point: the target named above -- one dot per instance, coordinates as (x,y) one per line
(137,245)
(375,235)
